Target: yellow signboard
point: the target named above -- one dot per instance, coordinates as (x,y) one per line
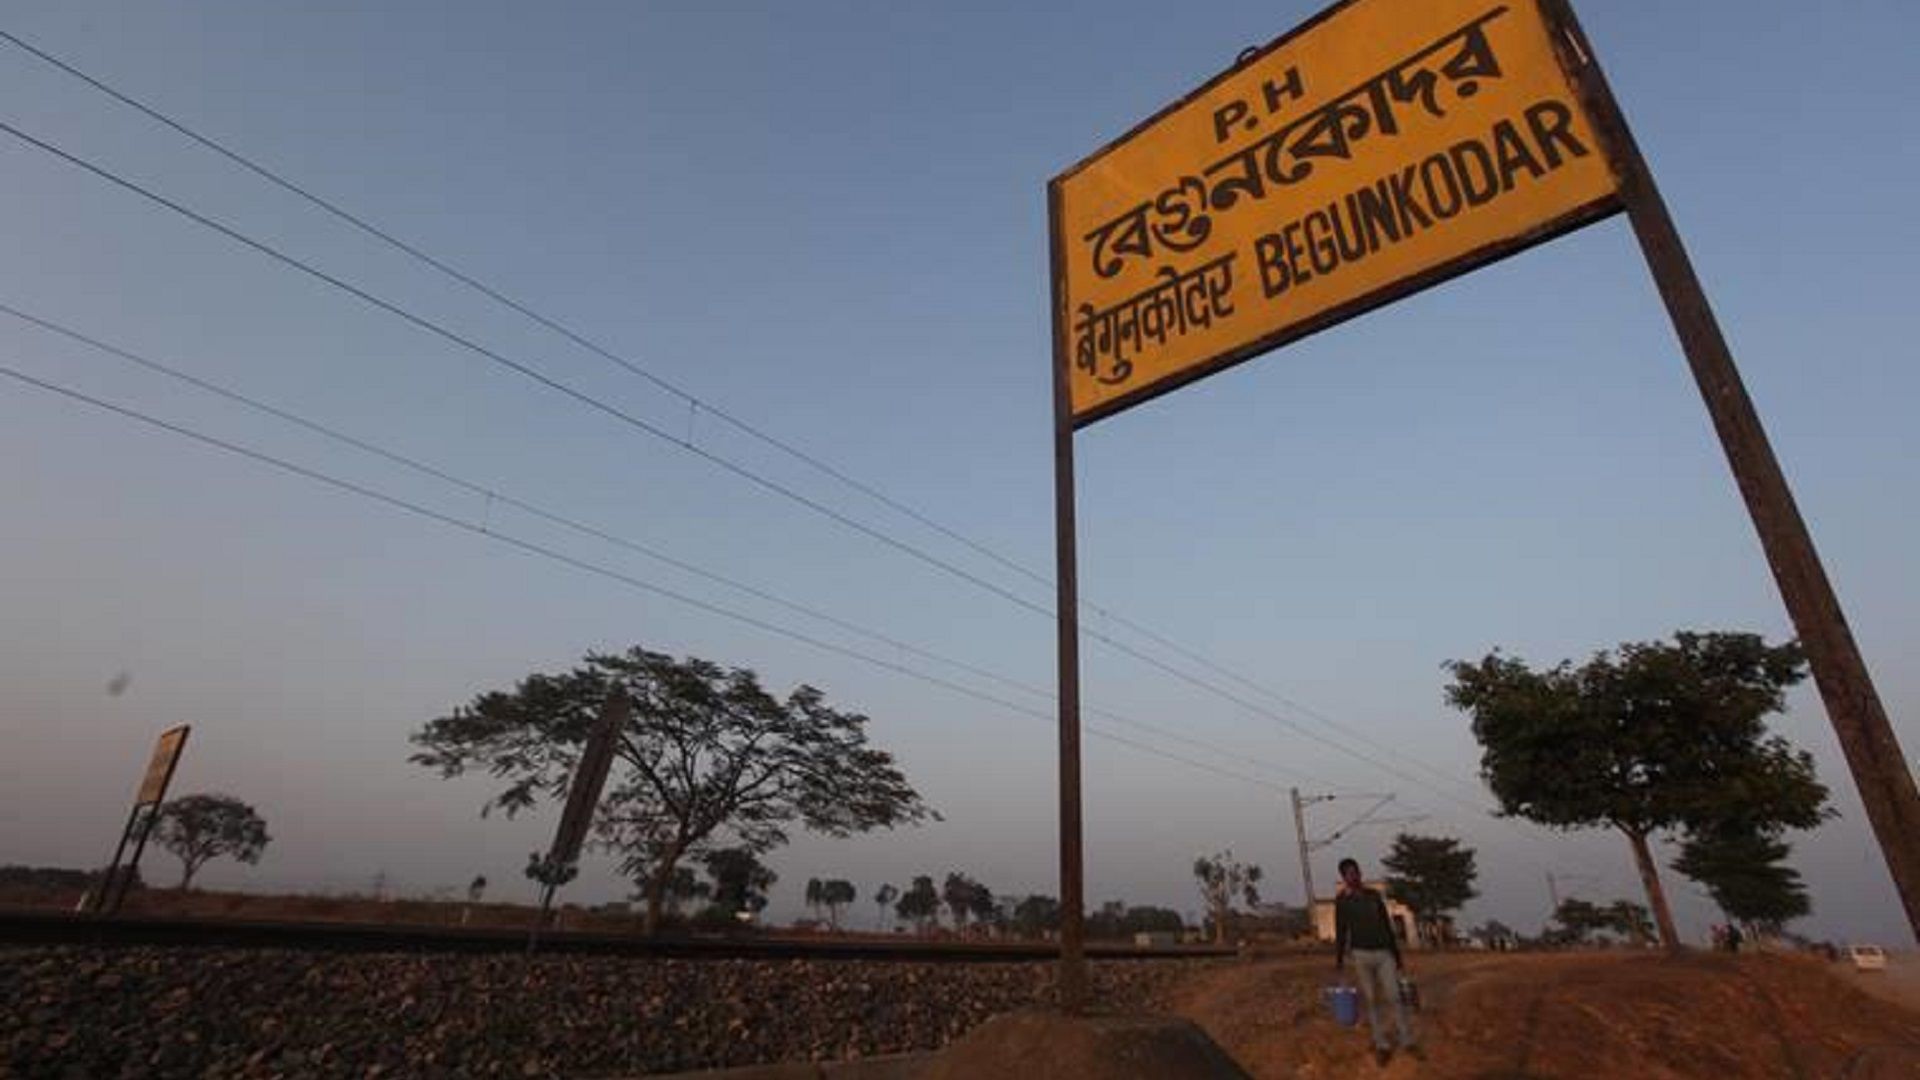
(1383,147)
(166,755)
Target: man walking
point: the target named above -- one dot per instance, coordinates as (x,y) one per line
(1361,927)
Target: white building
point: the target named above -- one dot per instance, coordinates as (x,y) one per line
(1404,925)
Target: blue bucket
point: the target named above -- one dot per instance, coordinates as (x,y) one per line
(1344,1002)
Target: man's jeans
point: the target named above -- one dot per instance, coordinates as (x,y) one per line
(1379,979)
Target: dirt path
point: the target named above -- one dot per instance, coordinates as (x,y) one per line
(1580,1015)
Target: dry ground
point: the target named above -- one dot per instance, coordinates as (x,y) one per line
(1639,1016)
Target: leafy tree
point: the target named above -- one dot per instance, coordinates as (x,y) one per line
(682,888)
(1658,736)
(1224,879)
(1118,919)
(1035,915)
(1629,920)
(883,897)
(1432,875)
(920,904)
(197,828)
(962,896)
(740,880)
(707,759)
(1581,919)
(539,868)
(476,888)
(814,898)
(1492,932)
(1743,870)
(983,908)
(836,894)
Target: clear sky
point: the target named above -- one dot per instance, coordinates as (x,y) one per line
(829,220)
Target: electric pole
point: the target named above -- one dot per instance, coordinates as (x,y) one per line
(1300,836)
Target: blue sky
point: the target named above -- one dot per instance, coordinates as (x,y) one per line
(828,219)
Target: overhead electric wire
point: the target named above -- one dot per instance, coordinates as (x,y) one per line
(529,547)
(649,551)
(718,460)
(534,374)
(701,405)
(651,429)
(556,518)
(498,296)
(385,236)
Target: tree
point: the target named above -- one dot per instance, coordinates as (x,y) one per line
(961,895)
(1661,736)
(707,759)
(1432,875)
(1035,915)
(920,904)
(1222,880)
(1118,919)
(814,898)
(1581,919)
(197,828)
(740,880)
(682,888)
(837,894)
(539,868)
(983,908)
(1629,920)
(1493,934)
(1743,871)
(476,888)
(883,897)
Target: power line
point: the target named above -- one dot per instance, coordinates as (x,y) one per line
(491,292)
(718,460)
(650,429)
(556,518)
(529,547)
(598,533)
(516,366)
(686,444)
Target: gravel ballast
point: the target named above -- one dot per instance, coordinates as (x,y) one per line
(147,1012)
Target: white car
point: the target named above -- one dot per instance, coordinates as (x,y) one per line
(1867,958)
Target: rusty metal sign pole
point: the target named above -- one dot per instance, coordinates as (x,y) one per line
(1873,754)
(100,894)
(583,797)
(149,815)
(1073,959)
(165,759)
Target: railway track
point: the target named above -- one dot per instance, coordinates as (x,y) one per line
(59,928)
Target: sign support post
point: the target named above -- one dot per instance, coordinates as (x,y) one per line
(146,810)
(583,797)
(100,894)
(1073,960)
(1867,739)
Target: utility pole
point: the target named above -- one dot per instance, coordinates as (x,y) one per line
(1300,836)
(1308,847)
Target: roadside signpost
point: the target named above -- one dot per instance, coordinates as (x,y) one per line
(583,797)
(1383,147)
(112,889)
